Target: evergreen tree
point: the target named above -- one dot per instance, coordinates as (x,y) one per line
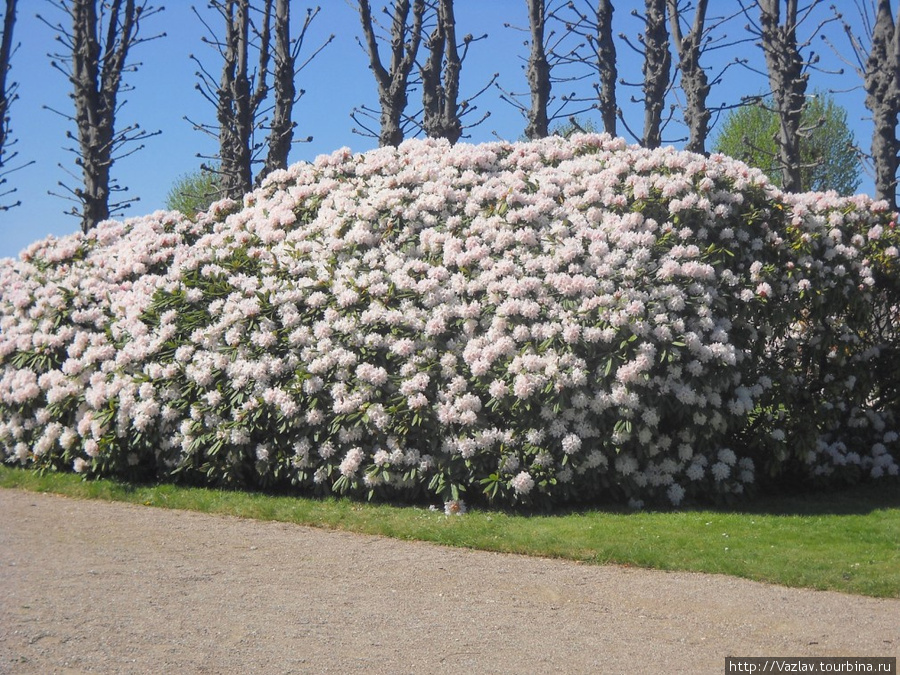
(828,156)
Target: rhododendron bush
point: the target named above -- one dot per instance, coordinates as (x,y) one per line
(559,320)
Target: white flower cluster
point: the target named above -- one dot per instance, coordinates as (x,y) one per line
(561,320)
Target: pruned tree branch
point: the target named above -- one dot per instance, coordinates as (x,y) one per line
(876,50)
(538,73)
(8,95)
(694,81)
(656,69)
(393,81)
(592,22)
(287,52)
(440,76)
(257,33)
(788,72)
(99,42)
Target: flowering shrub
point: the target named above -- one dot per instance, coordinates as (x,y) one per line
(559,320)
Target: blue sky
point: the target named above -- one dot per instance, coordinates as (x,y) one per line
(336,82)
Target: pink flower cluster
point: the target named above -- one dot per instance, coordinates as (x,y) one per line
(561,320)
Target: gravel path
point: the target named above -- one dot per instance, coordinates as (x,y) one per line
(96,587)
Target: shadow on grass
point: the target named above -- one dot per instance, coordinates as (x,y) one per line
(858,499)
(853,500)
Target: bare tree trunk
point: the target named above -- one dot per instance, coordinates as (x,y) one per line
(538,73)
(393,81)
(238,98)
(7,95)
(882,84)
(6,49)
(99,45)
(440,95)
(229,145)
(95,117)
(442,109)
(240,91)
(787,80)
(281,132)
(96,79)
(606,63)
(694,81)
(591,20)
(657,71)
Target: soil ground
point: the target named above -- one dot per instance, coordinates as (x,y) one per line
(96,587)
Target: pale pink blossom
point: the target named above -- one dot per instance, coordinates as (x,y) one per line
(522,483)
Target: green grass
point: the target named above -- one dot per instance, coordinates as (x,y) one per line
(847,541)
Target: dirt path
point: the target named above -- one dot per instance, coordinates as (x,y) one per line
(95,587)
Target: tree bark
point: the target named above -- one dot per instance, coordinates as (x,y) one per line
(238,99)
(538,73)
(393,81)
(657,71)
(257,33)
(592,23)
(96,79)
(7,93)
(606,64)
(694,81)
(281,133)
(440,78)
(882,85)
(98,42)
(788,83)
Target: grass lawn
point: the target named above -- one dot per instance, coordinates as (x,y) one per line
(845,541)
